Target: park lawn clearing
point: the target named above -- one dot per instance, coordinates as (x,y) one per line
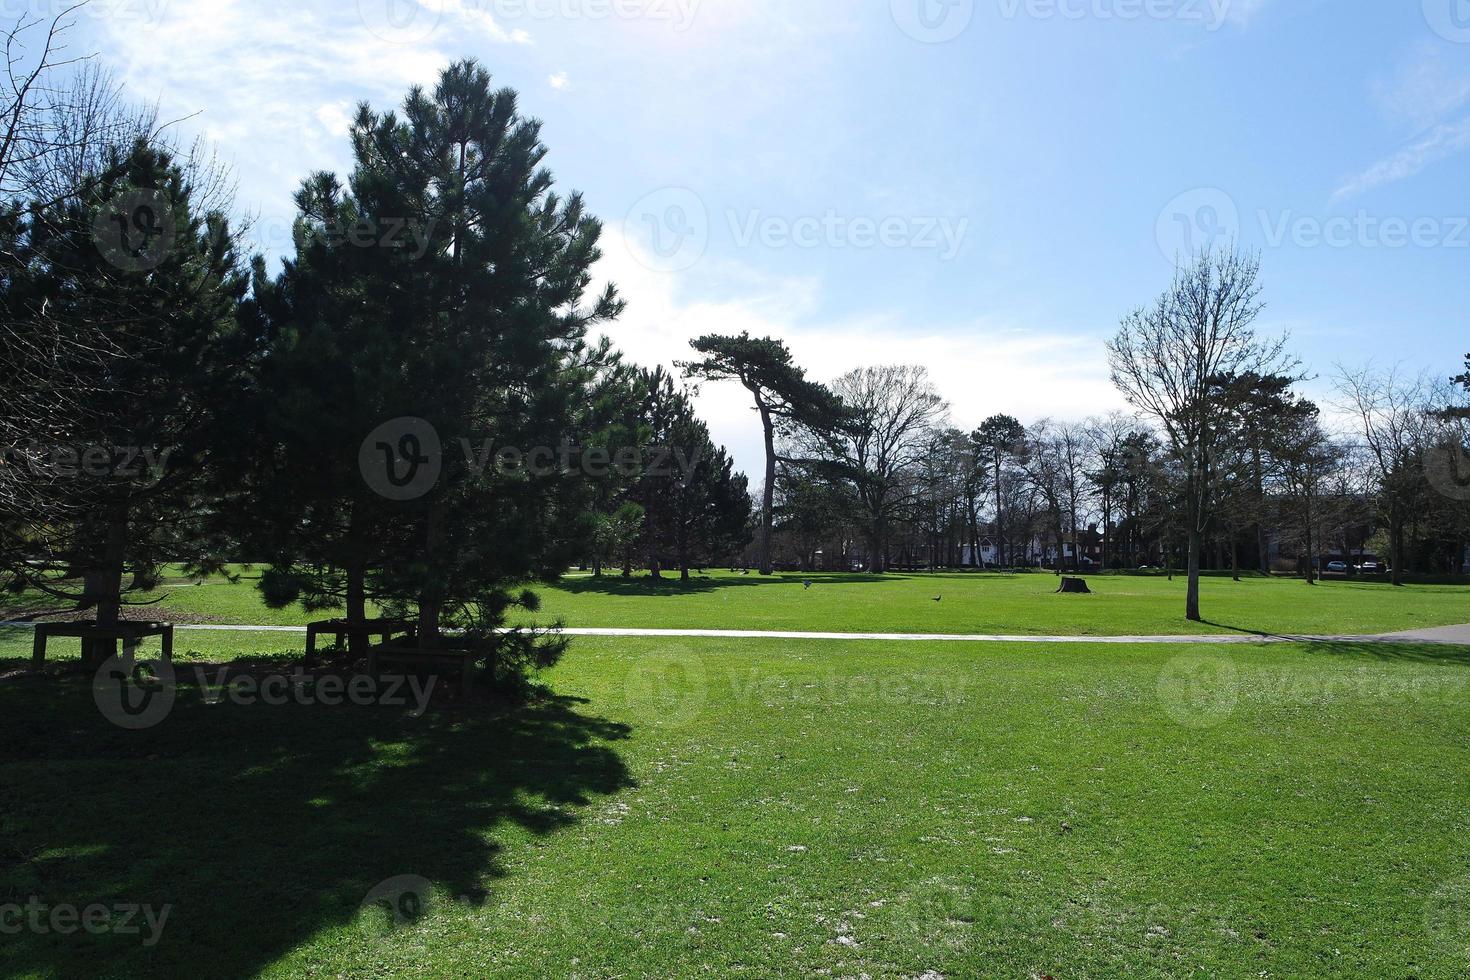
(968,603)
(765,807)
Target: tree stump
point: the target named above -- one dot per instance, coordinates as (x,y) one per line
(1074,586)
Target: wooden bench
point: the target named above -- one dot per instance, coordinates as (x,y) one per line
(367,629)
(130,633)
(407,652)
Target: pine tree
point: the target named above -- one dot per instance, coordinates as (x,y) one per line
(441,298)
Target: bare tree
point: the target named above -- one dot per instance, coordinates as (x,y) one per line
(1306,457)
(894,409)
(1394,421)
(37,55)
(1168,359)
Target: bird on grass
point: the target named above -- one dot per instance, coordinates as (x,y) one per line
(806,583)
(939,598)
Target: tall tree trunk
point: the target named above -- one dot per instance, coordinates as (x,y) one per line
(1396,544)
(1191,598)
(356,600)
(102,585)
(1000,527)
(1311,547)
(768,496)
(431,600)
(1258,471)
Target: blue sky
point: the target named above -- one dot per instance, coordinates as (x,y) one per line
(979,186)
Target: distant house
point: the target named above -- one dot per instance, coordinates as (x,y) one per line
(1038,551)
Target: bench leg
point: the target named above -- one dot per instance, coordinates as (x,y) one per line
(38,649)
(310,647)
(168,645)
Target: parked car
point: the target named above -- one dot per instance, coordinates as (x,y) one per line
(1340,567)
(1372,568)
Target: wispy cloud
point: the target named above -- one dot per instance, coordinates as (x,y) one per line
(1424,94)
(1438,144)
(560,81)
(1425,88)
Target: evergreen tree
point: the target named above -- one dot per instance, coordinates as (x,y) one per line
(696,508)
(783,396)
(441,298)
(128,260)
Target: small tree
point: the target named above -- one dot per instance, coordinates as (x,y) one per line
(1167,359)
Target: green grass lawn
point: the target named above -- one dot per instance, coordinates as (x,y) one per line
(762,807)
(969,603)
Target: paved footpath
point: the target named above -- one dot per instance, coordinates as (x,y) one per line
(1450,635)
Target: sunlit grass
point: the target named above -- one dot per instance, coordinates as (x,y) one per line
(766,808)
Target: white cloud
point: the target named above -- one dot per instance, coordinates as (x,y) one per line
(335,117)
(981,367)
(273,83)
(560,81)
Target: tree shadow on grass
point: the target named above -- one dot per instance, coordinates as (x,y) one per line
(262,826)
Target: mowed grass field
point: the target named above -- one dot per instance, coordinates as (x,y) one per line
(770,808)
(905,603)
